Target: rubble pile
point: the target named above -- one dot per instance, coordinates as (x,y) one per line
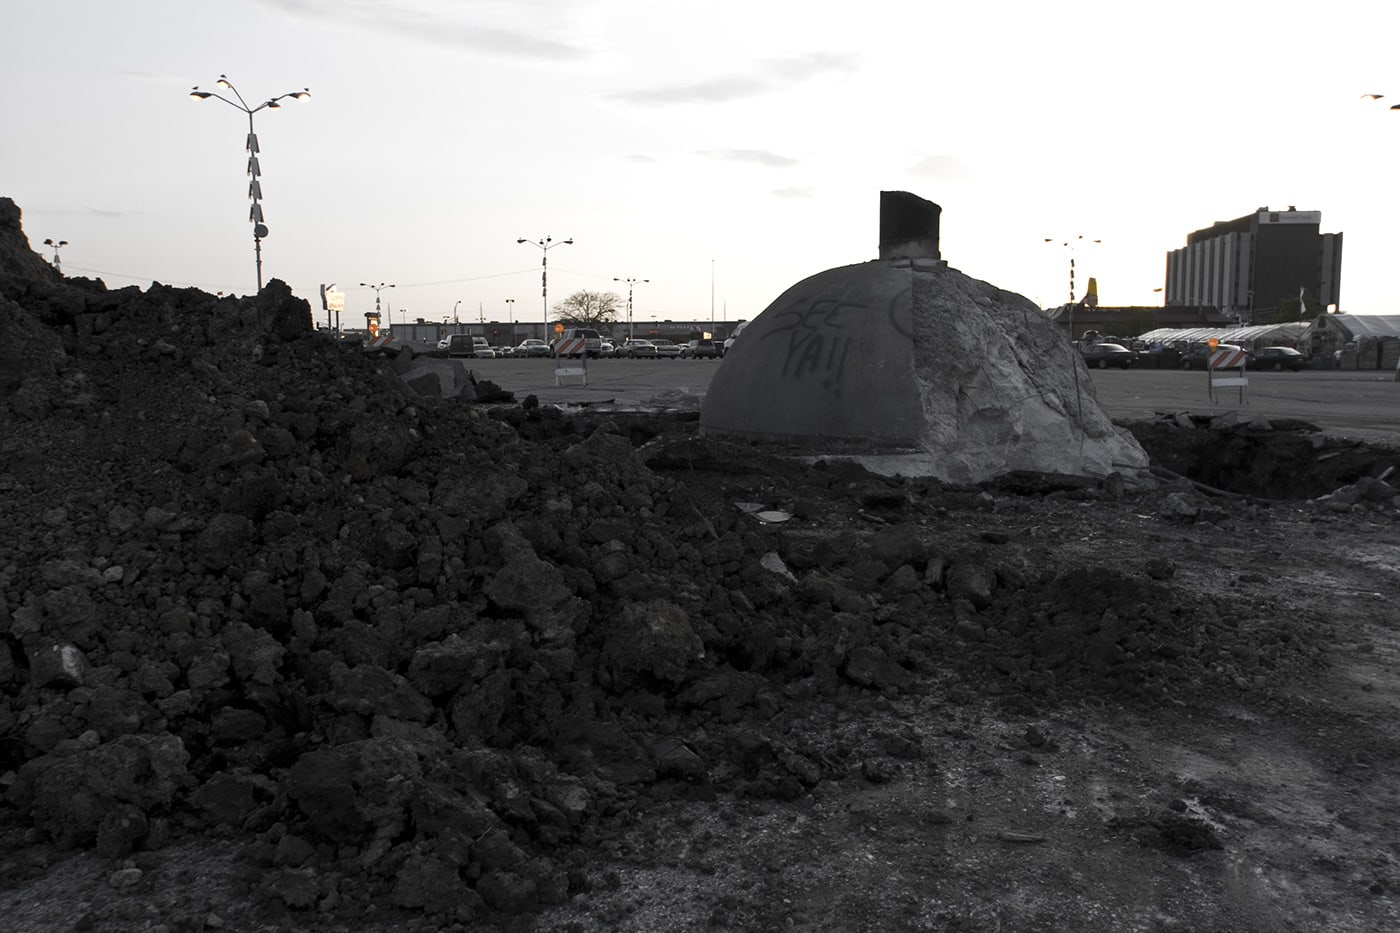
(418,654)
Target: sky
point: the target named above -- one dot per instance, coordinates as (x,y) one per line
(722,151)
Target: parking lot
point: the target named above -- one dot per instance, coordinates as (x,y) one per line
(1365,405)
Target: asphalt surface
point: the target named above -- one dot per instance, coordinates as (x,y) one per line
(1363,405)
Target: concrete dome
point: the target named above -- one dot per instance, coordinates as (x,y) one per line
(915,368)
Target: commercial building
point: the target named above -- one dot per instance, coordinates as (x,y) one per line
(1248,266)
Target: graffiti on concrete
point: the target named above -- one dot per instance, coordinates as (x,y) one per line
(819,339)
(820,334)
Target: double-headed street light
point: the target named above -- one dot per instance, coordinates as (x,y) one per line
(56,247)
(1392,107)
(630,283)
(545,246)
(255,214)
(1071,244)
(377,289)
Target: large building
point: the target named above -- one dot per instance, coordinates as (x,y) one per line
(1250,265)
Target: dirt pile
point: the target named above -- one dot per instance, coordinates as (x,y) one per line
(419,656)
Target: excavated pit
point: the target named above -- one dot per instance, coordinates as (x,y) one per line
(1287,460)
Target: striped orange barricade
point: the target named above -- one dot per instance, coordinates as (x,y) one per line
(1226,368)
(565,348)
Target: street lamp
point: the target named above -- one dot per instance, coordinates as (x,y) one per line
(545,246)
(255,214)
(1366,97)
(1071,244)
(510,316)
(630,283)
(56,247)
(455,319)
(377,289)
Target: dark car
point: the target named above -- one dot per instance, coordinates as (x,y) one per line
(1278,359)
(1104,355)
(701,349)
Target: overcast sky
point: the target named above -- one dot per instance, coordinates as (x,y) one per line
(724,150)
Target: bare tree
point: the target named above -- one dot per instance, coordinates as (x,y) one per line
(588,309)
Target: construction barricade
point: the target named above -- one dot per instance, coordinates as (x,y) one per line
(1226,368)
(565,368)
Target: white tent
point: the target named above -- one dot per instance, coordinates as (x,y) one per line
(1356,341)
(1353,327)
(1252,337)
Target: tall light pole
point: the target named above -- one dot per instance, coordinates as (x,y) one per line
(455,319)
(545,246)
(510,316)
(377,289)
(56,247)
(630,283)
(1366,97)
(255,214)
(1071,244)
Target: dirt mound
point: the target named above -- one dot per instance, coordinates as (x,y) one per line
(420,656)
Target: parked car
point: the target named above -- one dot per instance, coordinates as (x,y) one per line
(532,346)
(1278,359)
(607,348)
(637,348)
(703,349)
(592,340)
(1198,357)
(1104,355)
(666,349)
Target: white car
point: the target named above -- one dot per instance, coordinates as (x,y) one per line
(666,349)
(532,346)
